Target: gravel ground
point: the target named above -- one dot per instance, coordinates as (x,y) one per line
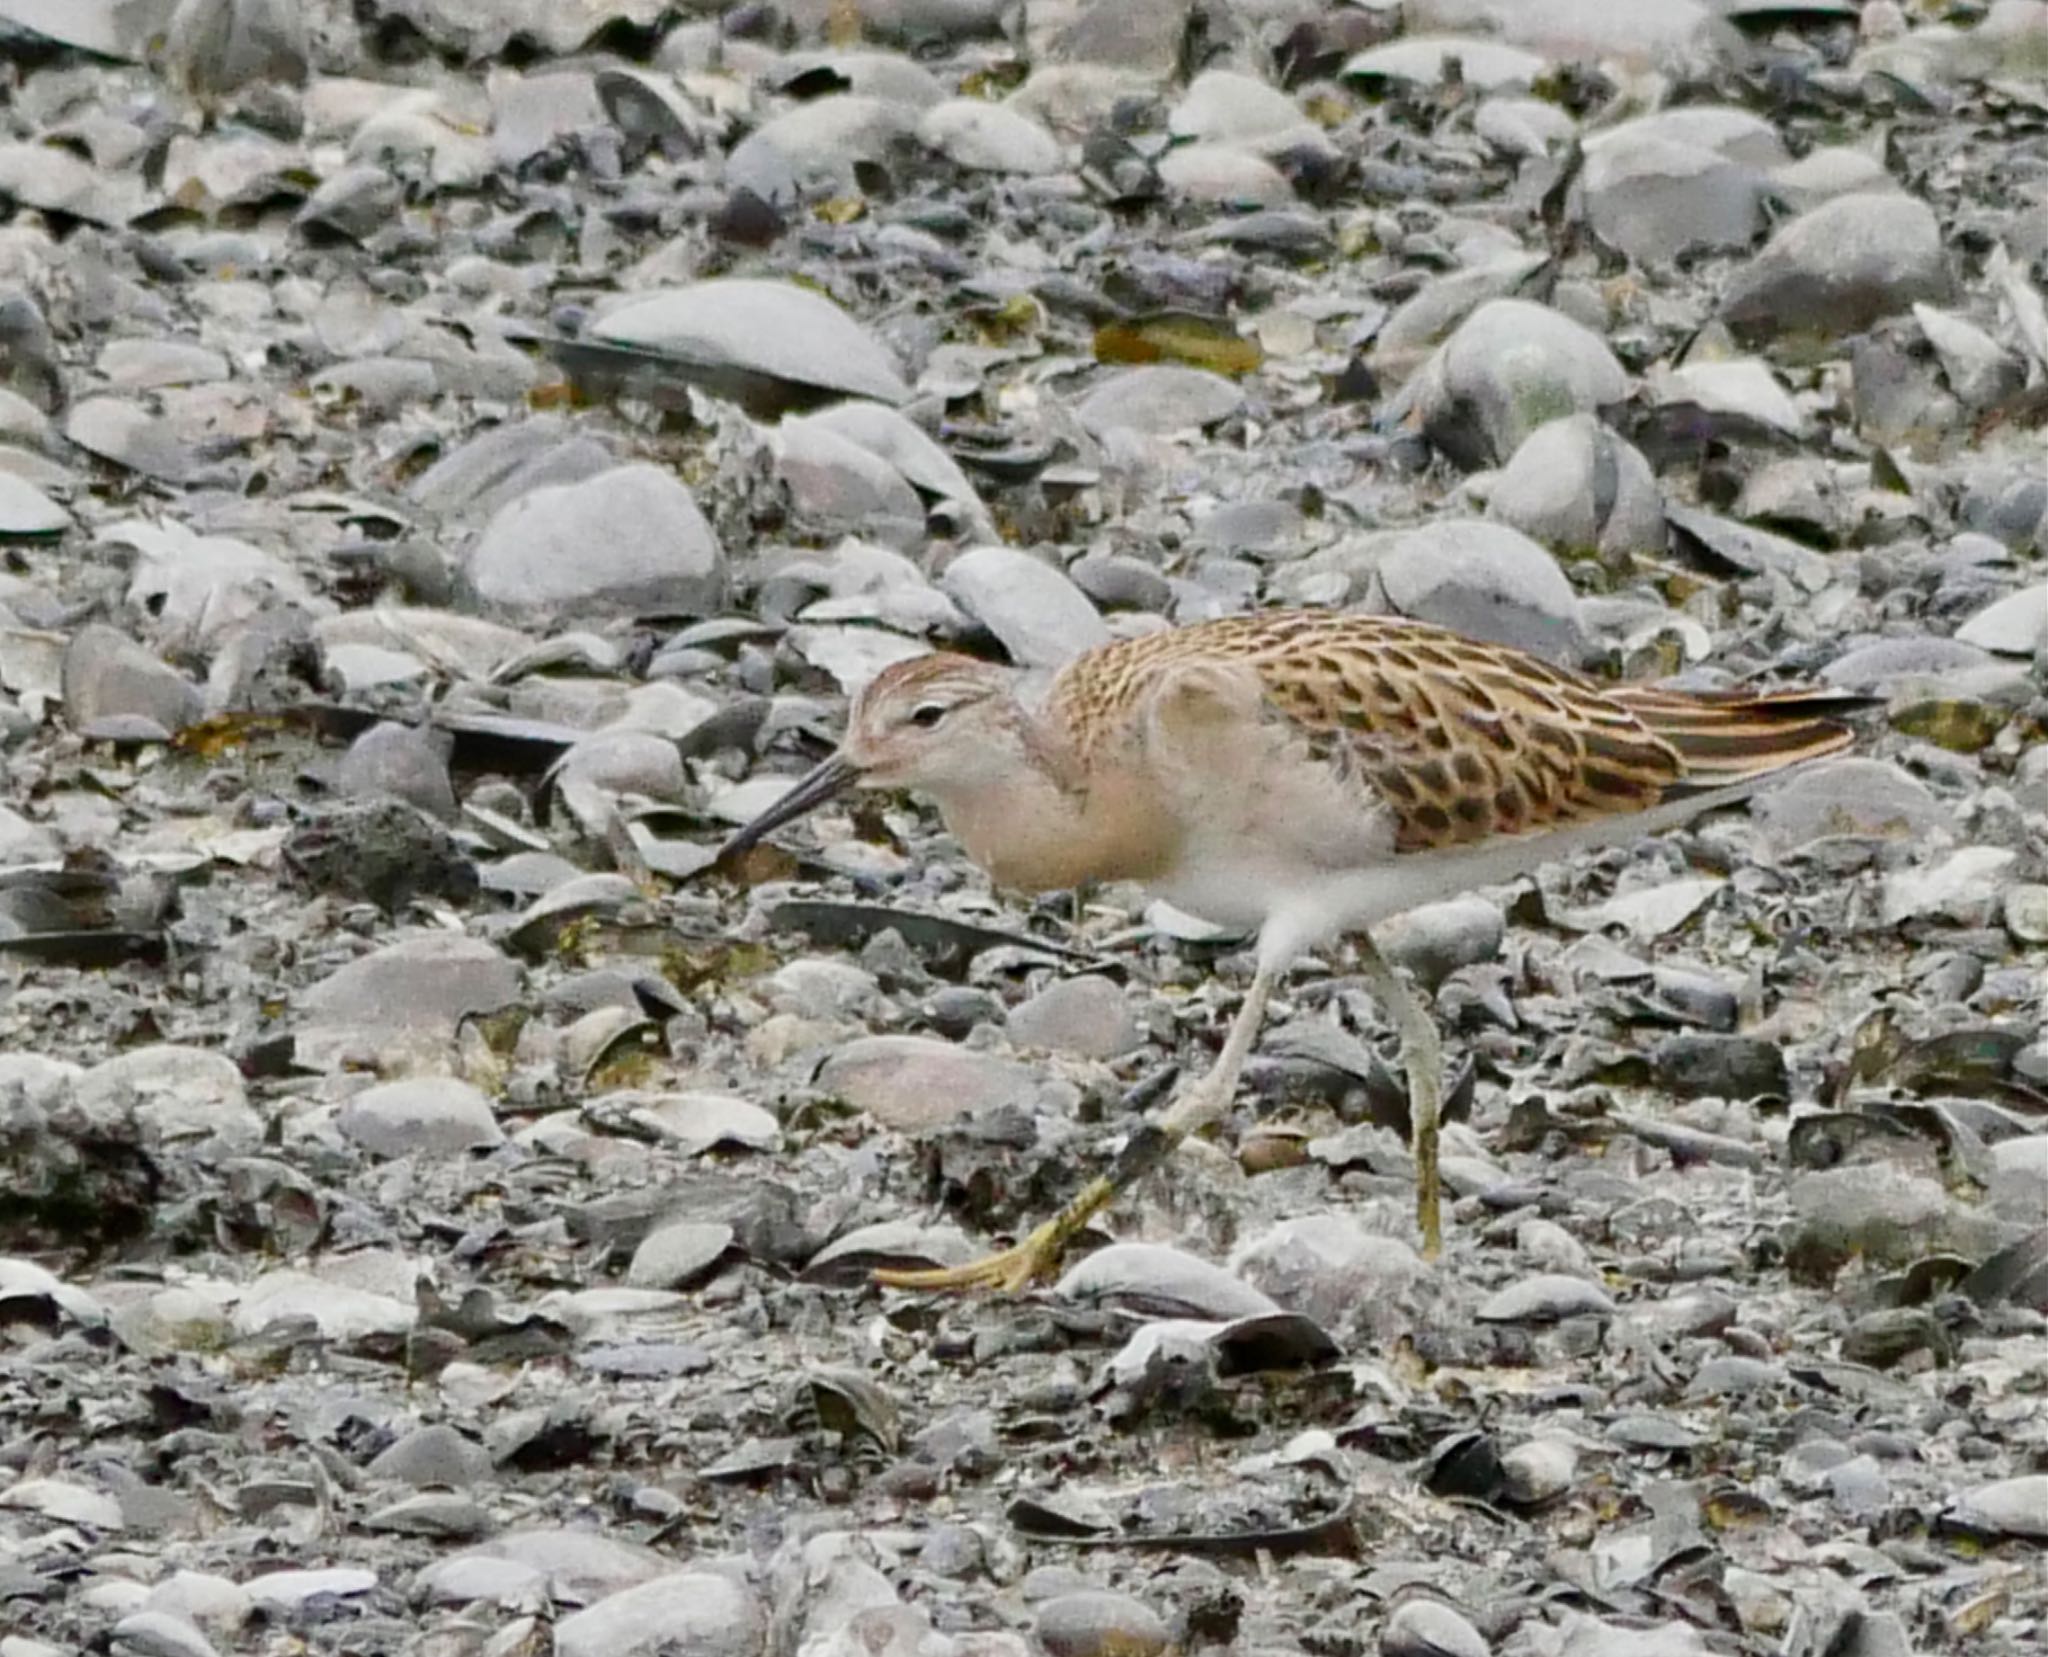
(456,458)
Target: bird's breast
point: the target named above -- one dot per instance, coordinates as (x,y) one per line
(1046,839)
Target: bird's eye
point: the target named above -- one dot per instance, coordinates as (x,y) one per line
(927,714)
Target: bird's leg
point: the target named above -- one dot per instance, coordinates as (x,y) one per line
(1422,1056)
(1039,1254)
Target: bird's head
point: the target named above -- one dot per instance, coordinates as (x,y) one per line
(942,724)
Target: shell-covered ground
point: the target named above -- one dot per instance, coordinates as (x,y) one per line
(456,459)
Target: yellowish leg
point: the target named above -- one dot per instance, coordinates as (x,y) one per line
(1422,1056)
(1039,1254)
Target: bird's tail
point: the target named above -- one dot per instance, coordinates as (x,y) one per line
(1729,737)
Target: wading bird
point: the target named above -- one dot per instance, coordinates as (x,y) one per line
(1302,774)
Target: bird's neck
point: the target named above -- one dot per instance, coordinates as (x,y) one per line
(1053,824)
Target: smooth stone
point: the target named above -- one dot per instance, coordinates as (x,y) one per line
(2015,625)
(1479,578)
(1892,664)
(1982,373)
(26,510)
(1737,398)
(136,364)
(2029,783)
(1523,128)
(1538,1471)
(1733,1376)
(1577,488)
(1437,939)
(573,1565)
(1839,268)
(2026,913)
(890,76)
(477,479)
(1328,1268)
(405,762)
(1964,888)
(760,327)
(1509,368)
(1739,134)
(1484,580)
(914,1084)
(1546,1298)
(1422,60)
(1642,36)
(420,1115)
(424,983)
(64,1503)
(1429,1628)
(2030,1064)
(1850,797)
(1827,171)
(628,540)
(1547,1246)
(989,138)
(341,1313)
(674,1256)
(1225,174)
(283,1592)
(1656,198)
(1229,107)
(1089,1016)
(433,1456)
(1250,526)
(1117,581)
(906,446)
(112,683)
(1423,321)
(468,1578)
(706,1614)
(1101,1623)
(1040,616)
(1161,1282)
(837,483)
(205,1601)
(2019,1178)
(813,149)
(826,989)
(1158,400)
(353,205)
(696,1122)
(1701,998)
(625,761)
(2009,1507)
(167,1094)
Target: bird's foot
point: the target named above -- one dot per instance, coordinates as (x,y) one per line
(1014,1269)
(1009,1272)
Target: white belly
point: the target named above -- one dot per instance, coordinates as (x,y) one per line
(1313,904)
(1234,896)
(1318,904)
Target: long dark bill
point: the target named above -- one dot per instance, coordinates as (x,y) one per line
(835,776)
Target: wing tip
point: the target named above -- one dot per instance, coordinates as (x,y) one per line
(1726,741)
